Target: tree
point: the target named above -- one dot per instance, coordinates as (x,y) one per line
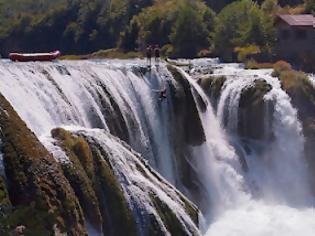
(240,24)
(310,6)
(269,6)
(190,32)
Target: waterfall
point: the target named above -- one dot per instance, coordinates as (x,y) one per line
(94,95)
(115,103)
(218,164)
(279,171)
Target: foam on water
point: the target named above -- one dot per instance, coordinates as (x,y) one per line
(272,198)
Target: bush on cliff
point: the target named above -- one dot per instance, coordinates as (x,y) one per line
(279,67)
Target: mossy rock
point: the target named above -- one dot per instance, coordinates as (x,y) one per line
(95,184)
(191,210)
(212,85)
(169,219)
(253,111)
(301,91)
(36,221)
(80,173)
(118,214)
(186,108)
(185,115)
(302,94)
(114,118)
(33,175)
(4,195)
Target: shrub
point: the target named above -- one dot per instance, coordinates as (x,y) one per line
(252,64)
(244,53)
(279,67)
(167,50)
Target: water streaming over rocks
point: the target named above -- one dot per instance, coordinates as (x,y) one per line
(241,162)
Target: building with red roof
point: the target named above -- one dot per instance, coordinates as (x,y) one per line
(296,39)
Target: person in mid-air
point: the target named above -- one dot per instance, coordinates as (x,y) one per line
(162,92)
(149,54)
(157,54)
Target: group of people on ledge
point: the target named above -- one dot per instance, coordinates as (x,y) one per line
(153,50)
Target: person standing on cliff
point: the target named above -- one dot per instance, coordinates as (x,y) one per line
(149,55)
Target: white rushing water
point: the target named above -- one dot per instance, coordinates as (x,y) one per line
(285,204)
(272,198)
(49,95)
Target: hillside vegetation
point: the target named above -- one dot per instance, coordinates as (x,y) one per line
(184,28)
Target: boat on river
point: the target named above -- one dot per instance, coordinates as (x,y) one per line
(34,56)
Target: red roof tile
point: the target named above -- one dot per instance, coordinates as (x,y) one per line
(298,20)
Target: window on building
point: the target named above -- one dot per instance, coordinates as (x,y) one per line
(285,34)
(301,34)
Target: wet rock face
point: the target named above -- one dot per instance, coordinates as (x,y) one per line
(34,177)
(212,85)
(186,109)
(187,131)
(80,173)
(95,185)
(103,175)
(302,93)
(253,112)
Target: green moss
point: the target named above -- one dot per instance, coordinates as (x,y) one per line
(176,75)
(4,195)
(115,54)
(302,94)
(191,210)
(99,191)
(216,86)
(253,65)
(72,57)
(254,95)
(76,146)
(252,112)
(80,173)
(36,221)
(169,219)
(26,165)
(119,218)
(280,67)
(295,80)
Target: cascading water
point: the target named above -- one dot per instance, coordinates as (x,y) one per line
(279,173)
(218,164)
(272,198)
(87,94)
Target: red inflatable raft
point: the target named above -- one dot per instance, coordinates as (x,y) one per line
(34,56)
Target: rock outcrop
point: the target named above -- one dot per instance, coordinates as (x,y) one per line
(302,92)
(254,110)
(188,131)
(212,85)
(35,178)
(126,194)
(95,184)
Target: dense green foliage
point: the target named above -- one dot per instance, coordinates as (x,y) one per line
(184,28)
(240,24)
(74,26)
(310,6)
